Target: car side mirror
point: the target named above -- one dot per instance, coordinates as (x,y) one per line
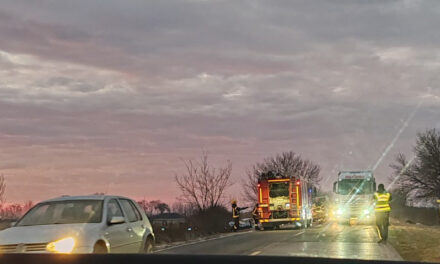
(334,186)
(116,220)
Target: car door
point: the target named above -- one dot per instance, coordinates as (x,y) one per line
(118,235)
(135,224)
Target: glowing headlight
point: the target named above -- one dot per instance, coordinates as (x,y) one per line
(64,245)
(287,205)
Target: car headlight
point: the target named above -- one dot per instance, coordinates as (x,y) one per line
(64,245)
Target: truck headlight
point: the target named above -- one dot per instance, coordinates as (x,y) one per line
(64,245)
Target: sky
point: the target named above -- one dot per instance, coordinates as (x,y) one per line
(111,96)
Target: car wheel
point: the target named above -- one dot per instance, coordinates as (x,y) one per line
(100,248)
(149,246)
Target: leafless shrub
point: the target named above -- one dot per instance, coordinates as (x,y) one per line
(203,185)
(2,188)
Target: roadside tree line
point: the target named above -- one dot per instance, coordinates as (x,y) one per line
(203,186)
(11,210)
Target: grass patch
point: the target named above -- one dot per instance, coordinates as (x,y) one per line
(416,242)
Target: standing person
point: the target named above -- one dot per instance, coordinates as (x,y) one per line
(236,215)
(382,210)
(256,216)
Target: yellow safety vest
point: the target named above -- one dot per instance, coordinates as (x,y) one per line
(382,202)
(235,213)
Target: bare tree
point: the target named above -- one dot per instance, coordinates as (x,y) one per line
(27,206)
(152,207)
(288,164)
(183,208)
(162,207)
(422,176)
(203,185)
(12,211)
(2,188)
(144,204)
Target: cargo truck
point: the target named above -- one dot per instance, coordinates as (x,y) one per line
(353,197)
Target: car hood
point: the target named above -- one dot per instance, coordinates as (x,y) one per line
(48,233)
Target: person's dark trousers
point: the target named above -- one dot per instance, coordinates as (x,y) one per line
(256,221)
(236,224)
(382,223)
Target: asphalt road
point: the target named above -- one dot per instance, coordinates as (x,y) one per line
(329,240)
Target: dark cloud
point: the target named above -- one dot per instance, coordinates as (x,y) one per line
(119,92)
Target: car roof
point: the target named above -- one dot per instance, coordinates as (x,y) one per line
(84,197)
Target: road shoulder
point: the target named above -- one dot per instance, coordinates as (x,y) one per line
(415,242)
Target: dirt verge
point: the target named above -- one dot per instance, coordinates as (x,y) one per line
(415,242)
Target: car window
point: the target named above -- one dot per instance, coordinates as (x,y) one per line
(136,211)
(114,209)
(128,209)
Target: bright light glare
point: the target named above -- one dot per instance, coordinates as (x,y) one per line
(64,245)
(366,211)
(339,211)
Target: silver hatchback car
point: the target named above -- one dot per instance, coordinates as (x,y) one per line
(81,224)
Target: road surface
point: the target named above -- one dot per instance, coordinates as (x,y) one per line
(329,240)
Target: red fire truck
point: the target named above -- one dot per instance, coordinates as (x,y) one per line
(284,200)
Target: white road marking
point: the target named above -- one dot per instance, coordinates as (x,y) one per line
(255,253)
(300,233)
(201,241)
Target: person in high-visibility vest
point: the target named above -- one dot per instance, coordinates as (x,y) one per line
(382,210)
(256,216)
(236,215)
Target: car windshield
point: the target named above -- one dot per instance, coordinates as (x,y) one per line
(351,186)
(64,212)
(188,116)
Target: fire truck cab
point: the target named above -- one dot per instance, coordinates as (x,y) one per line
(284,200)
